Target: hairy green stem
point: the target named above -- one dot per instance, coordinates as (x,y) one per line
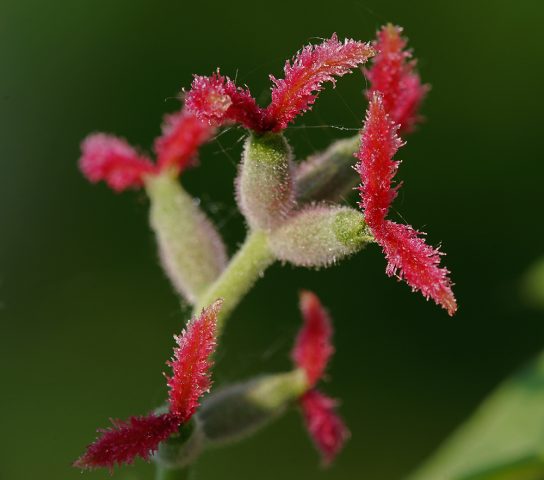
(244,269)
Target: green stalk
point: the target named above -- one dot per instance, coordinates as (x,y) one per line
(244,269)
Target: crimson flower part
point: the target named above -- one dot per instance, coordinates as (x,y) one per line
(191,363)
(218,101)
(126,440)
(113,160)
(313,347)
(182,135)
(393,74)
(409,258)
(305,75)
(327,430)
(376,167)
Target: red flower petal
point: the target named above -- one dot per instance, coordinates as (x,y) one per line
(217,100)
(126,440)
(313,347)
(108,158)
(409,258)
(379,143)
(418,264)
(191,363)
(182,135)
(393,74)
(304,77)
(326,428)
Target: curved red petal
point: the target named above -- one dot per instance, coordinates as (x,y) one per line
(376,167)
(393,74)
(113,160)
(218,101)
(182,135)
(327,430)
(306,73)
(313,347)
(191,363)
(410,259)
(126,440)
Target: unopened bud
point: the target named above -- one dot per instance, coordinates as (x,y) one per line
(328,175)
(239,410)
(265,185)
(320,235)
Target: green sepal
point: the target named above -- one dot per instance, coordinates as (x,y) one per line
(320,235)
(265,191)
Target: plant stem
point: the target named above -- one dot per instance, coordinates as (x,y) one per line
(241,273)
(165,473)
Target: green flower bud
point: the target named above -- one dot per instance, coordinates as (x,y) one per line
(265,190)
(328,175)
(319,236)
(190,248)
(239,410)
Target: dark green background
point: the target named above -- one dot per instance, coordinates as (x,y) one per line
(87,316)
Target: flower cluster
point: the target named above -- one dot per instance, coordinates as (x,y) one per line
(293,215)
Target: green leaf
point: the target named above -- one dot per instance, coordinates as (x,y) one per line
(504,438)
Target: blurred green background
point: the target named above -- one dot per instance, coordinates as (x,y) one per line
(87,316)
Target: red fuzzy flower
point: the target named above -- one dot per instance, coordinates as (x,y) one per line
(218,100)
(409,258)
(112,159)
(140,436)
(311,353)
(393,74)
(182,135)
(191,363)
(313,347)
(326,428)
(304,77)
